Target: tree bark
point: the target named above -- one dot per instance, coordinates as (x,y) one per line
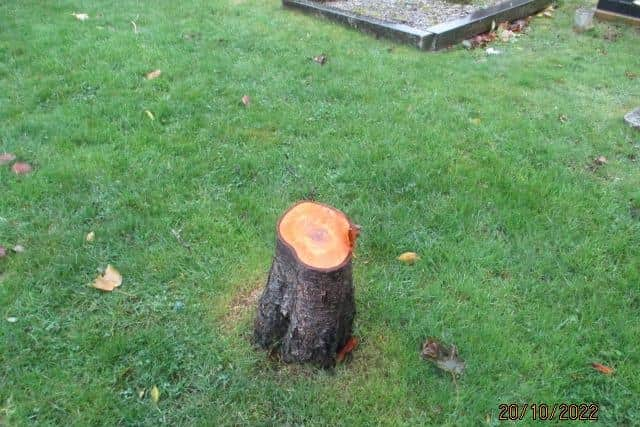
(306,312)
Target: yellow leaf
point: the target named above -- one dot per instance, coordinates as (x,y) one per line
(110,280)
(408,257)
(90,236)
(155,394)
(153,74)
(149,114)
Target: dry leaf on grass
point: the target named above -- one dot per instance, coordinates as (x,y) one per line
(320,59)
(155,394)
(246,100)
(547,13)
(352,344)
(6,158)
(628,74)
(563,118)
(600,160)
(110,280)
(153,74)
(444,358)
(602,368)
(90,236)
(80,16)
(21,168)
(18,249)
(408,257)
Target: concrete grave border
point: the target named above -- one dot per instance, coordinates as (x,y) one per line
(436,37)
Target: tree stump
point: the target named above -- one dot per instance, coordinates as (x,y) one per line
(307,308)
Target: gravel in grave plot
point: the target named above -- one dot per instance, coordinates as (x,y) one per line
(419,14)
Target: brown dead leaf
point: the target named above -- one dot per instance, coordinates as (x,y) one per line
(563,118)
(21,168)
(351,344)
(444,358)
(320,59)
(110,280)
(408,257)
(519,25)
(153,74)
(600,160)
(629,74)
(80,16)
(246,100)
(602,368)
(6,158)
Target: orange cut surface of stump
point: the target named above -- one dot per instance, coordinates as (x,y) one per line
(318,234)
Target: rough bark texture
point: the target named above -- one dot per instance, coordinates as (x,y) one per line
(306,313)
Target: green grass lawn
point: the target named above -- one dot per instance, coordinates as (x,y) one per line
(482,164)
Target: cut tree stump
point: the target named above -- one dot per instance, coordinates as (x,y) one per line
(307,308)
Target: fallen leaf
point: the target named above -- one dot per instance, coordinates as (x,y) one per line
(90,236)
(21,168)
(444,358)
(481,39)
(18,249)
(320,59)
(80,16)
(12,319)
(547,13)
(519,25)
(505,34)
(563,118)
(141,393)
(352,344)
(153,74)
(629,74)
(6,158)
(246,100)
(600,160)
(110,280)
(408,257)
(602,368)
(149,114)
(155,394)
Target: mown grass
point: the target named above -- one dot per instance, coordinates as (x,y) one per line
(529,256)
